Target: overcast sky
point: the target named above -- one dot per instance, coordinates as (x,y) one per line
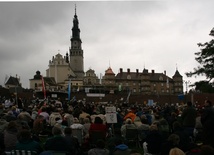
(158,35)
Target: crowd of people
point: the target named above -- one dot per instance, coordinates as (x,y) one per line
(80,128)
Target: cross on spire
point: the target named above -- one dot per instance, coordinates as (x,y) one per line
(75,9)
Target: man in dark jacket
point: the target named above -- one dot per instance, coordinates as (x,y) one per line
(188,118)
(57,142)
(207,121)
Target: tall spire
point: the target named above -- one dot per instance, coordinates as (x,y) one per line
(75,13)
(76,53)
(75,29)
(177,72)
(75,9)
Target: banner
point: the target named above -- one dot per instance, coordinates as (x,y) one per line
(111,114)
(69,90)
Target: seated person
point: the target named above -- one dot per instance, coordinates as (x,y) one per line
(121,148)
(25,142)
(97,129)
(128,125)
(98,126)
(72,142)
(57,142)
(154,140)
(99,149)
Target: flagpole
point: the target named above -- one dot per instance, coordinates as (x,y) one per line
(69,89)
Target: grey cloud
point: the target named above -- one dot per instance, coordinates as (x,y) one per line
(157,34)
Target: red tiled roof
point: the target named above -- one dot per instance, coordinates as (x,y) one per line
(109,71)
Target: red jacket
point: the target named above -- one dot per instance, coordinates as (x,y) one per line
(94,135)
(98,127)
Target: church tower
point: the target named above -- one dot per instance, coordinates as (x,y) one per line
(76,52)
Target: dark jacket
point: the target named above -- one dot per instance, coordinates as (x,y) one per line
(188,117)
(57,143)
(29,145)
(74,147)
(154,142)
(207,120)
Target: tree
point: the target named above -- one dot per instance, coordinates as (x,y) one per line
(206,68)
(204,86)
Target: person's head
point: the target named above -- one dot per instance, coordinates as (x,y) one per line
(207,150)
(208,103)
(40,117)
(13,125)
(189,103)
(144,119)
(86,120)
(128,121)
(76,120)
(174,139)
(176,151)
(98,120)
(134,152)
(89,117)
(56,131)
(153,127)
(13,108)
(23,125)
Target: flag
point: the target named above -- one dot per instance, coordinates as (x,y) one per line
(43,86)
(69,90)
